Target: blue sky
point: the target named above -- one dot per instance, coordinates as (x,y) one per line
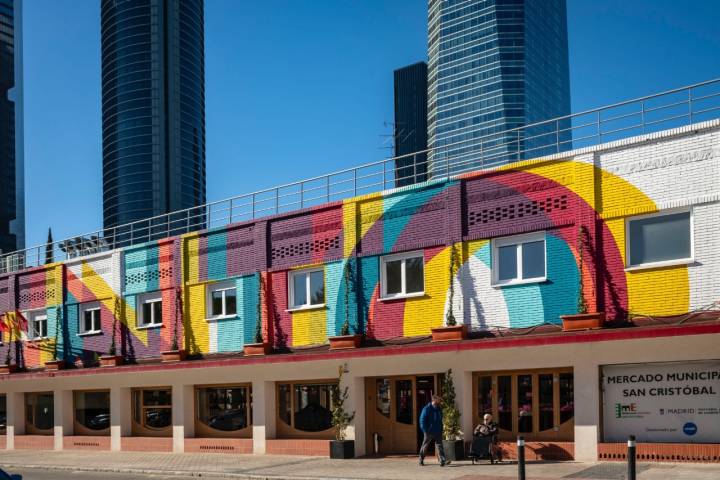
(300,88)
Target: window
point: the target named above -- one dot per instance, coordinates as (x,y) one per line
(307,288)
(90,317)
(37,325)
(222,302)
(92,410)
(226,409)
(306,407)
(152,408)
(3,414)
(519,259)
(149,309)
(660,238)
(39,411)
(402,275)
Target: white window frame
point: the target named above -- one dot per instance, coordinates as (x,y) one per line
(291,289)
(517,240)
(403,284)
(665,263)
(33,316)
(141,300)
(90,307)
(223,286)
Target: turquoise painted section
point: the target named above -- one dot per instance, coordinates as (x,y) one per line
(369,273)
(395,219)
(142,269)
(72,325)
(335,297)
(560,292)
(248,287)
(217,255)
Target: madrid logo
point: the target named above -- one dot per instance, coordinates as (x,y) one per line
(690,429)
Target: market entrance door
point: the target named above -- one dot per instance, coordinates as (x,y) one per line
(393,411)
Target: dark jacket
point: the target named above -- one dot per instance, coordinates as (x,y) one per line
(431,420)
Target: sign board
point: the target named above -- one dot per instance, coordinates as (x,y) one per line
(676,402)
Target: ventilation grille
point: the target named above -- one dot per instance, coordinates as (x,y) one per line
(305,248)
(86,444)
(216,448)
(149,275)
(517,210)
(33,296)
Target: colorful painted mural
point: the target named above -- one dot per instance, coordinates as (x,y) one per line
(208,291)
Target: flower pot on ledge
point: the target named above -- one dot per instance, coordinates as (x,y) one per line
(8,369)
(255,349)
(343,342)
(55,365)
(173,355)
(582,321)
(111,360)
(449,333)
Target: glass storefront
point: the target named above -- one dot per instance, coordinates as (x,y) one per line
(223,409)
(3,414)
(92,412)
(152,411)
(39,413)
(305,406)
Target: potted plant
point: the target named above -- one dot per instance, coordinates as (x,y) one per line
(341,448)
(260,346)
(56,363)
(175,354)
(346,340)
(582,320)
(451,330)
(112,359)
(452,435)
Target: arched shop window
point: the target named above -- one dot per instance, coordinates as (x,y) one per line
(538,404)
(152,409)
(226,409)
(39,412)
(92,411)
(306,406)
(3,414)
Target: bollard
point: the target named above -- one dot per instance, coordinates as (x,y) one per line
(521,457)
(631,457)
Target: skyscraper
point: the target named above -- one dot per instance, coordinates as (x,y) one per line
(153,93)
(410,124)
(12,189)
(495,65)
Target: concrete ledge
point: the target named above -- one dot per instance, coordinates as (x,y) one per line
(540,450)
(316,448)
(146,444)
(219,445)
(662,452)
(34,442)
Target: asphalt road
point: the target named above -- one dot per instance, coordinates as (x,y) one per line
(35,474)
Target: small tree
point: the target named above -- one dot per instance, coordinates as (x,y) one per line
(582,306)
(49,252)
(58,311)
(450,320)
(112,350)
(451,414)
(258,316)
(9,326)
(349,279)
(341,419)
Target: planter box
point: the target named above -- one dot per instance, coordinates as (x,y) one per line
(343,342)
(173,355)
(447,334)
(7,369)
(582,321)
(253,349)
(454,449)
(342,449)
(55,365)
(111,360)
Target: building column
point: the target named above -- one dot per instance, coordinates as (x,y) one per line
(15,418)
(183,418)
(264,412)
(464,400)
(120,416)
(356,403)
(587,410)
(63,415)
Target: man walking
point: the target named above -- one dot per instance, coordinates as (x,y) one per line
(431,424)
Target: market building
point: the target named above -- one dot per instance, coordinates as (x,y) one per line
(629,228)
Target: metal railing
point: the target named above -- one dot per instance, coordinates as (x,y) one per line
(661,111)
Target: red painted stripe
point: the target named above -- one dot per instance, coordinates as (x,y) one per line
(511,342)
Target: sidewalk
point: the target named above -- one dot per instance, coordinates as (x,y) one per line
(305,468)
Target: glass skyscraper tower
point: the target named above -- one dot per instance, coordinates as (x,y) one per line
(495,65)
(410,130)
(12,190)
(153,93)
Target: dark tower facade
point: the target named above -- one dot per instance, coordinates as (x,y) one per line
(410,124)
(12,192)
(153,107)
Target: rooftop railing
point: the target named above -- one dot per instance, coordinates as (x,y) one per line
(653,113)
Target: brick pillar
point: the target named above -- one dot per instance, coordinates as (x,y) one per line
(15,417)
(356,403)
(264,414)
(183,419)
(587,409)
(120,416)
(63,414)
